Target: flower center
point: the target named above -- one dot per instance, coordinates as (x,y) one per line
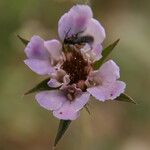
(76,67)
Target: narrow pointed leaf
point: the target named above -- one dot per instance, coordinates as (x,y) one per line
(105,54)
(63,126)
(87,109)
(24,41)
(125,98)
(42,86)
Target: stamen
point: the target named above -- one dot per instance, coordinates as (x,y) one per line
(76,67)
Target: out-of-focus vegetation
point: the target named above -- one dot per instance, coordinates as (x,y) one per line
(24,125)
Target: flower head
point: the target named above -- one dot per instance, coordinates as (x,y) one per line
(69,63)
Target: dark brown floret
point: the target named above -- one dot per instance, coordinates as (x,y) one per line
(76,67)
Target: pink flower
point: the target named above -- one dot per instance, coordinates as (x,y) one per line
(69,65)
(103,83)
(43,55)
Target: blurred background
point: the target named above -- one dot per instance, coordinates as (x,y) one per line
(24,125)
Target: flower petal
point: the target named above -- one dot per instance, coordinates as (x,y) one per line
(51,100)
(107,91)
(90,54)
(81,14)
(109,71)
(35,48)
(54,48)
(74,21)
(59,77)
(54,83)
(80,101)
(97,51)
(70,110)
(66,112)
(41,67)
(95,29)
(64,26)
(66,79)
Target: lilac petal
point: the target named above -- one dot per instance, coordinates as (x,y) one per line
(74,21)
(118,88)
(59,77)
(91,54)
(54,48)
(64,25)
(95,29)
(107,91)
(109,71)
(41,67)
(54,83)
(97,51)
(66,112)
(70,110)
(81,15)
(66,79)
(80,101)
(35,48)
(81,10)
(51,100)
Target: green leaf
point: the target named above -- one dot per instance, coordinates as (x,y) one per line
(125,98)
(63,126)
(24,41)
(105,54)
(42,86)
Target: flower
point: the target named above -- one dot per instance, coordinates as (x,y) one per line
(103,83)
(69,63)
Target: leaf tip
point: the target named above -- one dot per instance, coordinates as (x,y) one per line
(134,102)
(87,109)
(26,93)
(63,126)
(131,99)
(24,41)
(117,41)
(125,98)
(29,92)
(19,37)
